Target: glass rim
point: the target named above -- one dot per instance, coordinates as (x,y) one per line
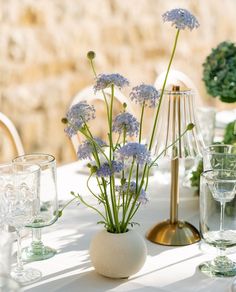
(208,148)
(43,162)
(205,173)
(34,167)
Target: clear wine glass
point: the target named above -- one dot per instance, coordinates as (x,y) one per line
(218,228)
(219,156)
(19,204)
(48,212)
(233,286)
(7,284)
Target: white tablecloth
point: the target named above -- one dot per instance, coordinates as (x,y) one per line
(172,269)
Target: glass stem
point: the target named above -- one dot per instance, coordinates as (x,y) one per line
(222,216)
(19,266)
(36,244)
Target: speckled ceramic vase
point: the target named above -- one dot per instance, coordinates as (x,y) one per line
(118,255)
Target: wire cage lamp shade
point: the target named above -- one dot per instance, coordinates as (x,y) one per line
(177,111)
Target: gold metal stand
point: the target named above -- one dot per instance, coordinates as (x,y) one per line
(174,232)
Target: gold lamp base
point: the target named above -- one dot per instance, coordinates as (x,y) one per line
(173,234)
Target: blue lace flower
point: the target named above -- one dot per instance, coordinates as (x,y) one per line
(145,94)
(125,121)
(107,170)
(86,148)
(106,80)
(77,115)
(134,150)
(142,198)
(181,18)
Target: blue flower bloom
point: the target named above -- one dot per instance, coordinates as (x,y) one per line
(142,198)
(145,94)
(134,150)
(126,121)
(107,170)
(181,18)
(77,115)
(106,80)
(86,148)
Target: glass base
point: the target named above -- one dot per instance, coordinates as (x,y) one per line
(8,285)
(33,253)
(27,276)
(219,267)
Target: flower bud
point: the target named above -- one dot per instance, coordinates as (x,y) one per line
(91,55)
(93,169)
(59,214)
(64,120)
(190,126)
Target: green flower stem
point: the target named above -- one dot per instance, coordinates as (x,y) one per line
(93,68)
(91,191)
(91,138)
(140,139)
(87,205)
(96,157)
(132,213)
(104,95)
(128,198)
(115,208)
(110,122)
(67,204)
(117,142)
(141,123)
(164,150)
(104,198)
(163,89)
(159,106)
(123,175)
(107,202)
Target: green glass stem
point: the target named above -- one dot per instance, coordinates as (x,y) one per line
(37,244)
(37,251)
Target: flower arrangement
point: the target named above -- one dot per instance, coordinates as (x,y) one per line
(219,72)
(120,199)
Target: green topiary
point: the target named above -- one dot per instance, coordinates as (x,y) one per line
(230,133)
(219,74)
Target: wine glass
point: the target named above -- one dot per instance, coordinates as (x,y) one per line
(217,189)
(19,204)
(233,286)
(48,212)
(7,284)
(219,156)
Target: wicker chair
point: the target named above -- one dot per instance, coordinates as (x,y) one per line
(9,130)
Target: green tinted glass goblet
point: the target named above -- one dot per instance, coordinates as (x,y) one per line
(48,212)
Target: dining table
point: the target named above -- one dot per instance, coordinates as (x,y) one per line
(167,268)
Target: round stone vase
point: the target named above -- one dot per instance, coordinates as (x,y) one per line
(118,255)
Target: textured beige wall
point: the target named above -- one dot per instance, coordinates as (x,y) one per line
(43,46)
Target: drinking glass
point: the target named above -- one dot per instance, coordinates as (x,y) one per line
(219,156)
(233,286)
(19,204)
(218,229)
(206,117)
(48,212)
(7,284)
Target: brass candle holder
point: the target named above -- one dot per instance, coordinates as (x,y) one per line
(176,113)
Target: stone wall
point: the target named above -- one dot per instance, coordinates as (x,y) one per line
(43,46)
